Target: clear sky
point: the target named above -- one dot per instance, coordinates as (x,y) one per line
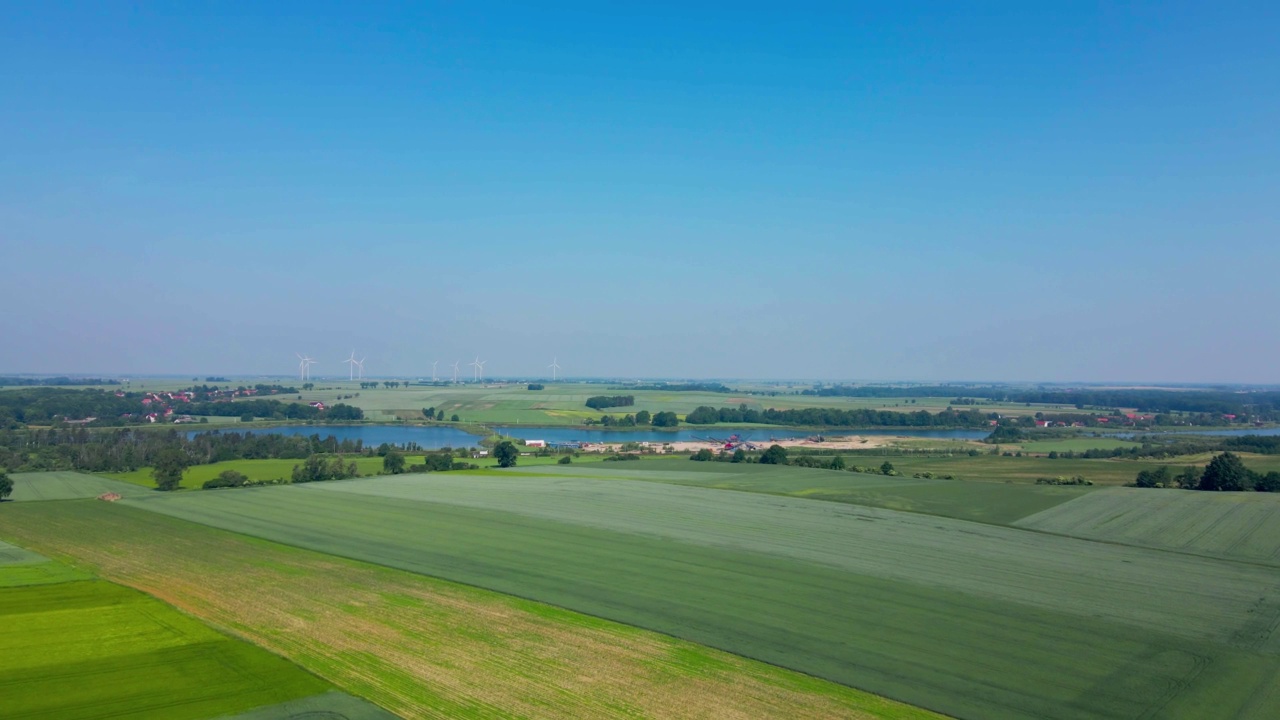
(931,191)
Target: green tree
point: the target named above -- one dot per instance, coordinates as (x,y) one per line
(454,418)
(1265,483)
(703,455)
(393,462)
(506,454)
(226,478)
(168,467)
(1189,478)
(837,463)
(6,486)
(775,455)
(643,417)
(440,415)
(1159,477)
(564,460)
(739,456)
(886,468)
(1225,472)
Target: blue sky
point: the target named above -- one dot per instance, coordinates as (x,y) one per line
(931,191)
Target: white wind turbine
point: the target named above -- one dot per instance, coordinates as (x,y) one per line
(475,372)
(360,368)
(554,367)
(352,362)
(433,370)
(482,362)
(304,367)
(455,371)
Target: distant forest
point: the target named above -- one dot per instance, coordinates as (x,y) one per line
(53,381)
(47,406)
(831,417)
(1259,405)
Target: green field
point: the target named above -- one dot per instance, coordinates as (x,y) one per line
(1237,525)
(272,469)
(66,485)
(422,646)
(989,502)
(968,619)
(20,567)
(91,649)
(1075,445)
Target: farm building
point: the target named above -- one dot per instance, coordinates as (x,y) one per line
(535,443)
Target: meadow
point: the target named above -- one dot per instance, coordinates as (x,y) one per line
(1236,525)
(990,502)
(968,619)
(72,647)
(66,485)
(424,647)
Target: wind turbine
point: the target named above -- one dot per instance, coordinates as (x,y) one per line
(304,367)
(360,366)
(554,367)
(433,370)
(455,371)
(475,372)
(352,362)
(482,362)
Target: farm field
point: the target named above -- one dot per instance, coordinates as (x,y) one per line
(86,648)
(564,403)
(967,619)
(988,502)
(425,647)
(997,468)
(65,485)
(20,567)
(270,469)
(1076,445)
(1241,526)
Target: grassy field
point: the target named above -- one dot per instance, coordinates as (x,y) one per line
(564,403)
(425,647)
(989,502)
(21,567)
(195,476)
(968,619)
(1241,526)
(1075,445)
(91,649)
(65,485)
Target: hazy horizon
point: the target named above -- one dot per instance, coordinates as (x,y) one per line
(1047,193)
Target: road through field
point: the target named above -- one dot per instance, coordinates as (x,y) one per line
(967,619)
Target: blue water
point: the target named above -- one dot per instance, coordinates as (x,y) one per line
(430,438)
(435,437)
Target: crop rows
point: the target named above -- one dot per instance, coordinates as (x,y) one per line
(971,620)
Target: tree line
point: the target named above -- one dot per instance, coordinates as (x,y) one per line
(833,417)
(1225,472)
(600,402)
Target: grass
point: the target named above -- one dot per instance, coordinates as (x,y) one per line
(967,619)
(20,567)
(91,649)
(65,485)
(271,469)
(425,647)
(997,503)
(1076,445)
(1242,526)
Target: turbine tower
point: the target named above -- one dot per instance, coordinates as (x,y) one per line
(455,371)
(352,362)
(554,367)
(482,362)
(475,369)
(304,367)
(433,370)
(360,368)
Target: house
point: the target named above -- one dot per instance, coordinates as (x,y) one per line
(317,405)
(1043,423)
(535,443)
